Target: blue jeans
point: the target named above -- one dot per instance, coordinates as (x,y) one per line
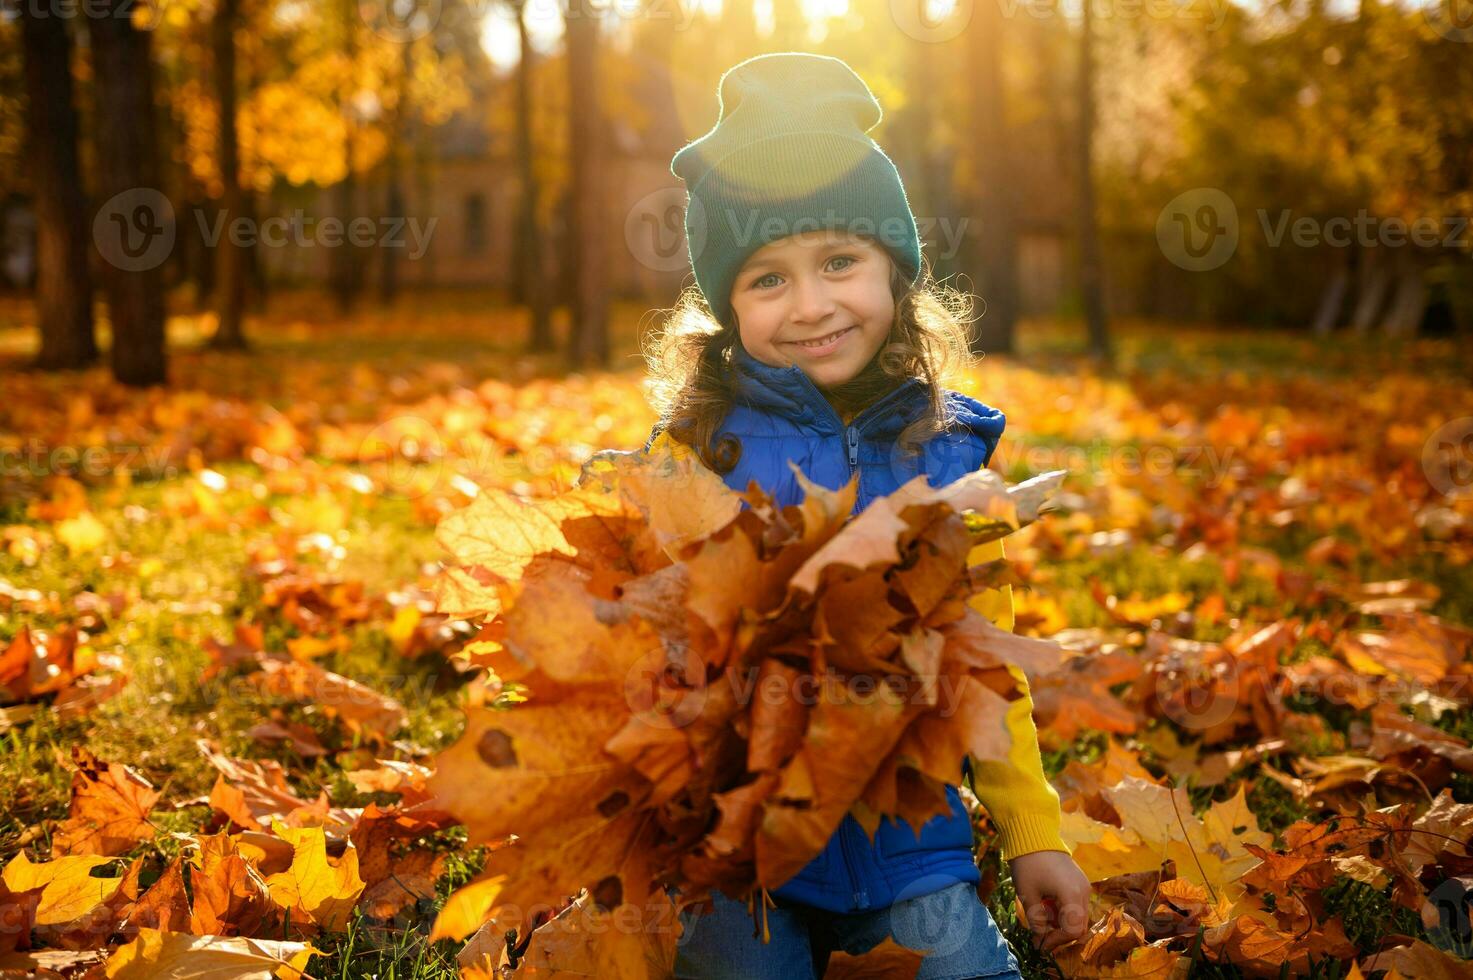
(953,925)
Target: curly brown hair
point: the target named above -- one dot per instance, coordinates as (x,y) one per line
(692,383)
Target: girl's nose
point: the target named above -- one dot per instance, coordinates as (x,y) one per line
(811,300)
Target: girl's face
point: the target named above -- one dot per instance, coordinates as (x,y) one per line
(820,300)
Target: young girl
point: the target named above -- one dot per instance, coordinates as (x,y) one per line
(814,337)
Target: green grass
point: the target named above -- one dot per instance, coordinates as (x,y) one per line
(200,591)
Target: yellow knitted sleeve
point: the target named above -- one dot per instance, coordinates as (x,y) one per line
(1017,795)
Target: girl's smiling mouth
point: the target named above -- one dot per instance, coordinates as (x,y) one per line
(822,345)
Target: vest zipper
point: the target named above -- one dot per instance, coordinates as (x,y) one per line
(859,895)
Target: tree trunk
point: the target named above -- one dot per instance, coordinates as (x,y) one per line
(346,275)
(936,168)
(533,249)
(257,288)
(63,280)
(1372,281)
(1091,289)
(423,161)
(789,28)
(589,336)
(1409,301)
(394,206)
(998,231)
(196,256)
(344,256)
(1332,300)
(139,223)
(388,283)
(230,256)
(736,33)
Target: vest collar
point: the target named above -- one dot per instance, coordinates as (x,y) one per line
(790,393)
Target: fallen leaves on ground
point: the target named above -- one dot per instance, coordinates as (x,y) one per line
(1241,582)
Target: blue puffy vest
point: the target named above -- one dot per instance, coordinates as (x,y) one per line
(779,414)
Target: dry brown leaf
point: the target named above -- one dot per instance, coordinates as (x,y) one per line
(317,890)
(109,808)
(230,896)
(156,954)
(69,892)
(374,715)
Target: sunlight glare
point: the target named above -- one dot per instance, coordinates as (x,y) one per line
(499,32)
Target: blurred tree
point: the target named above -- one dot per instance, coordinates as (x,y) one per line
(1306,117)
(346,265)
(122,94)
(736,37)
(1091,287)
(63,279)
(588,340)
(997,237)
(532,255)
(321,101)
(789,28)
(230,254)
(394,200)
(544,147)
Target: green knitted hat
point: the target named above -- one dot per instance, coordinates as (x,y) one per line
(789,155)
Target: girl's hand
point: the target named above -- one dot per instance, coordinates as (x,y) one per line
(1055,897)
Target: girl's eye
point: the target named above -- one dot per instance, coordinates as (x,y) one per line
(758,282)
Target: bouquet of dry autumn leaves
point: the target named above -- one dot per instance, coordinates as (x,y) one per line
(636,614)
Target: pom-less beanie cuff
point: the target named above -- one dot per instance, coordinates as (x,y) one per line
(788,156)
